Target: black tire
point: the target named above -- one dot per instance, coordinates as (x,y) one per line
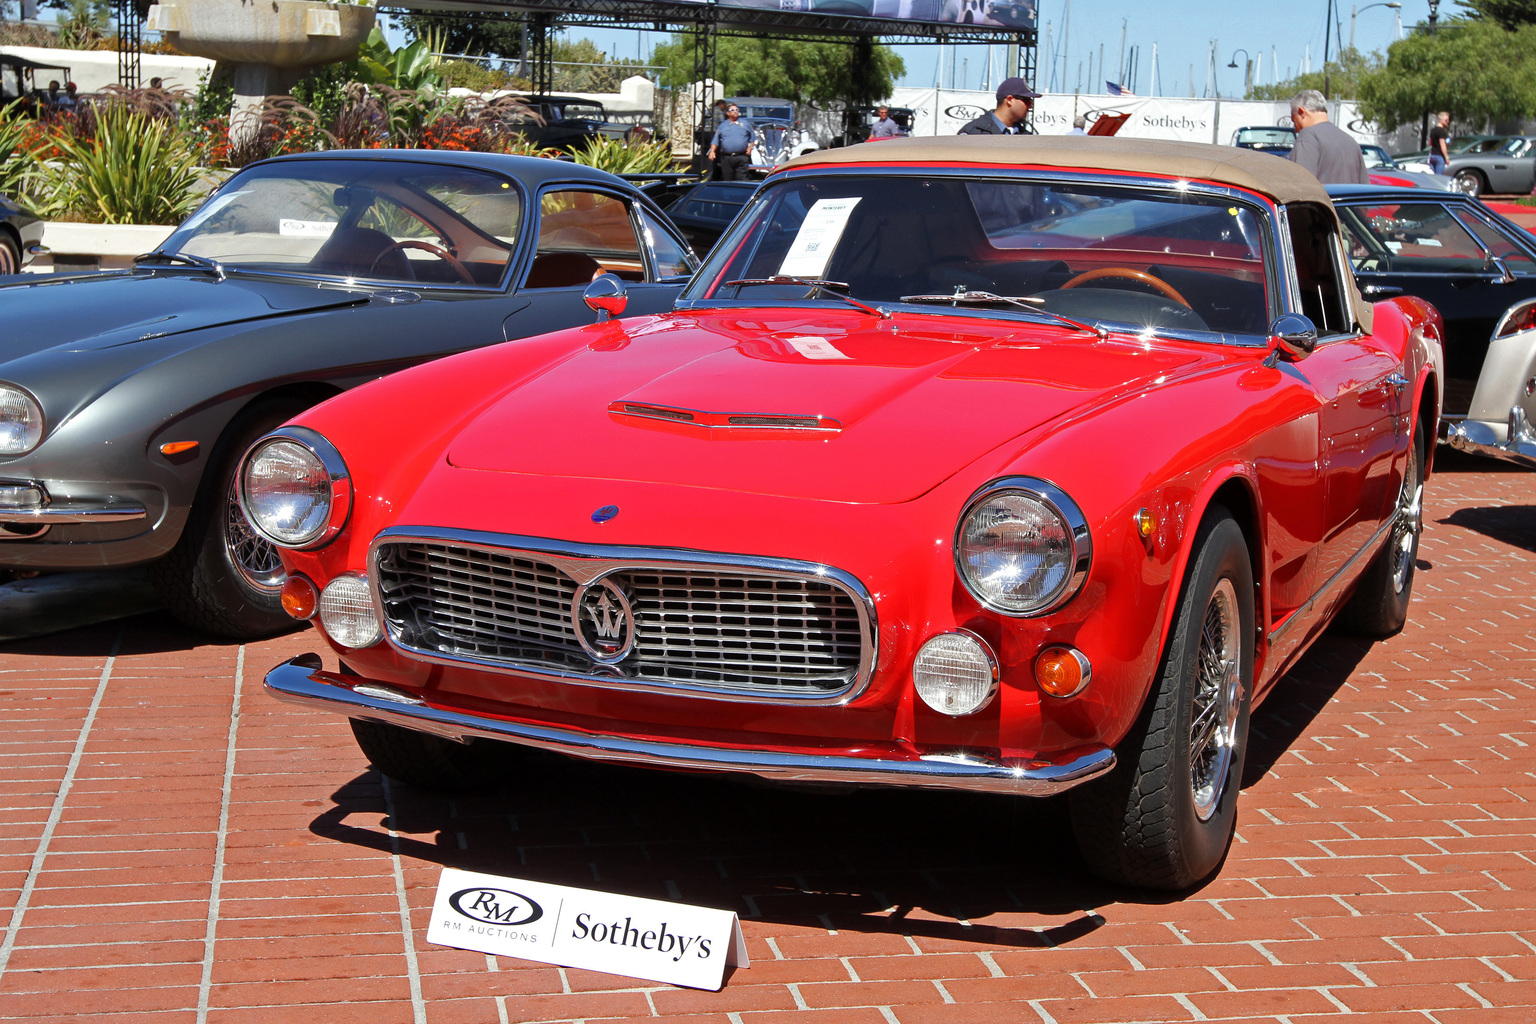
(1471,182)
(1164,816)
(10,256)
(221,577)
(419,758)
(1379,606)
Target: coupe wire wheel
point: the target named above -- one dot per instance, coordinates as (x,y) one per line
(1217,700)
(252,555)
(1410,521)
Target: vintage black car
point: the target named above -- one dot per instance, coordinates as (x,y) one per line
(705,211)
(1446,248)
(127,397)
(567,123)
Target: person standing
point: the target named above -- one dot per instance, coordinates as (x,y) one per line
(1440,142)
(1322,147)
(1079,125)
(733,143)
(884,127)
(1015,99)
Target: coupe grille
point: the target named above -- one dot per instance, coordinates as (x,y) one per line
(772,634)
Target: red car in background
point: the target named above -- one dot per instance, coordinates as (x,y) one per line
(1024,465)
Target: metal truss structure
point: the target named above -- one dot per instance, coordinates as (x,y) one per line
(130,42)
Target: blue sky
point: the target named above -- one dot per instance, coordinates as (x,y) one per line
(1182,30)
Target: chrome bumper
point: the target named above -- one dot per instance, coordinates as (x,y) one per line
(68,512)
(301,681)
(1481,438)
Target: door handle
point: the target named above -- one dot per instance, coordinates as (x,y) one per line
(1397,382)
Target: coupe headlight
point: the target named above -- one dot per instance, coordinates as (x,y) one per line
(21,421)
(1022,547)
(295,489)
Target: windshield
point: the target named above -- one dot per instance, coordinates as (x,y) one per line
(393,221)
(1141,258)
(1282,137)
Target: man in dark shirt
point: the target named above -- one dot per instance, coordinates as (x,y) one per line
(1439,142)
(1014,102)
(1322,147)
(733,143)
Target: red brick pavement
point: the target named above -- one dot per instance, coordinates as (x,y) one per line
(175,846)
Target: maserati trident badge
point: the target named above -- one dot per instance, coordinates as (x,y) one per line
(604,621)
(605,513)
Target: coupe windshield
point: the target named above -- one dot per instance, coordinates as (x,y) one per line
(1165,259)
(394,222)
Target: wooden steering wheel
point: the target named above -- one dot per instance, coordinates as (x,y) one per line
(1139,276)
(436,250)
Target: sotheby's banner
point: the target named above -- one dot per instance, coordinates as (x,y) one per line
(556,924)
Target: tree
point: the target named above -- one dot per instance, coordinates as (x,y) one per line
(1507,14)
(480,35)
(859,72)
(1343,78)
(1471,67)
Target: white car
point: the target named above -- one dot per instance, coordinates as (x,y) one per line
(1504,402)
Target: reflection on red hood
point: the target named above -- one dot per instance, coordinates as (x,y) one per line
(801,403)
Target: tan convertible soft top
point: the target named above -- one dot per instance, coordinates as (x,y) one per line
(1270,175)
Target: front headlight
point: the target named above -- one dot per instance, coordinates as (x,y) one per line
(1022,546)
(294,488)
(21,421)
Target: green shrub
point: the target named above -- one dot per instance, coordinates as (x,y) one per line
(619,157)
(136,170)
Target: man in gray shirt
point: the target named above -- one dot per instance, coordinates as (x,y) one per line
(884,127)
(1322,147)
(733,143)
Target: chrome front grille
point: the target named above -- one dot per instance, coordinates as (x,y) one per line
(767,630)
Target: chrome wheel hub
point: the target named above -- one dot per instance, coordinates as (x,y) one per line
(1217,699)
(1408,523)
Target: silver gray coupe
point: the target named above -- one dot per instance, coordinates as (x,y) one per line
(127,397)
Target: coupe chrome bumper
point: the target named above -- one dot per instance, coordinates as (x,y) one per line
(69,512)
(1482,438)
(301,681)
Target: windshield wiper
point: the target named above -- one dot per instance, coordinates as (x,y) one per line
(200,262)
(1029,302)
(815,284)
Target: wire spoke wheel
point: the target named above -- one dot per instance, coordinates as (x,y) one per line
(252,556)
(1408,524)
(1217,693)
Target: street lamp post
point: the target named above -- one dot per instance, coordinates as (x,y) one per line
(1248,75)
(1353,14)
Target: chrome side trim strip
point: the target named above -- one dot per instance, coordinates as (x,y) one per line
(300,681)
(586,562)
(73,512)
(1326,592)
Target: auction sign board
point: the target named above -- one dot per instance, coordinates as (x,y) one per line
(1013,15)
(598,931)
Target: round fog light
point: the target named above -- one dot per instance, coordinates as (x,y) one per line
(1062,671)
(955,673)
(346,612)
(299,597)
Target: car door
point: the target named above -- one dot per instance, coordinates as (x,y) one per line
(584,231)
(1513,169)
(1361,395)
(1450,253)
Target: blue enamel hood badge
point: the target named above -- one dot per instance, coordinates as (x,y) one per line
(605,513)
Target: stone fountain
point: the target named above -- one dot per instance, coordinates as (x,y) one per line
(262,46)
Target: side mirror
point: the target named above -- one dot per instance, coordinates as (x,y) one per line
(606,297)
(1294,336)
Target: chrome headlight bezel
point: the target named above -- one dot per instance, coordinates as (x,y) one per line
(34,408)
(338,495)
(1075,525)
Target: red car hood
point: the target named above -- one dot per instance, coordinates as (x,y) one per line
(800,404)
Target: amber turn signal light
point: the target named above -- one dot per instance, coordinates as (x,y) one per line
(300,598)
(1062,671)
(177,447)
(1146,522)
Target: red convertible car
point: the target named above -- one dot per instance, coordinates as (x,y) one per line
(1025,465)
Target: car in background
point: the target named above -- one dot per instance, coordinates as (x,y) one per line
(704,212)
(1266,138)
(21,237)
(1508,170)
(859,121)
(1449,249)
(1023,465)
(1012,13)
(566,123)
(777,135)
(1465,144)
(1386,171)
(1499,421)
(126,397)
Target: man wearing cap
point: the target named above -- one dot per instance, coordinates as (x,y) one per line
(1014,100)
(733,143)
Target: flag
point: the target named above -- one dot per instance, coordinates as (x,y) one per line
(1116,89)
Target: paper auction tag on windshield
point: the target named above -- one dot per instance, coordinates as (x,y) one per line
(818,235)
(598,931)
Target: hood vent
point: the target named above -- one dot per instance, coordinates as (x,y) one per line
(717,420)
